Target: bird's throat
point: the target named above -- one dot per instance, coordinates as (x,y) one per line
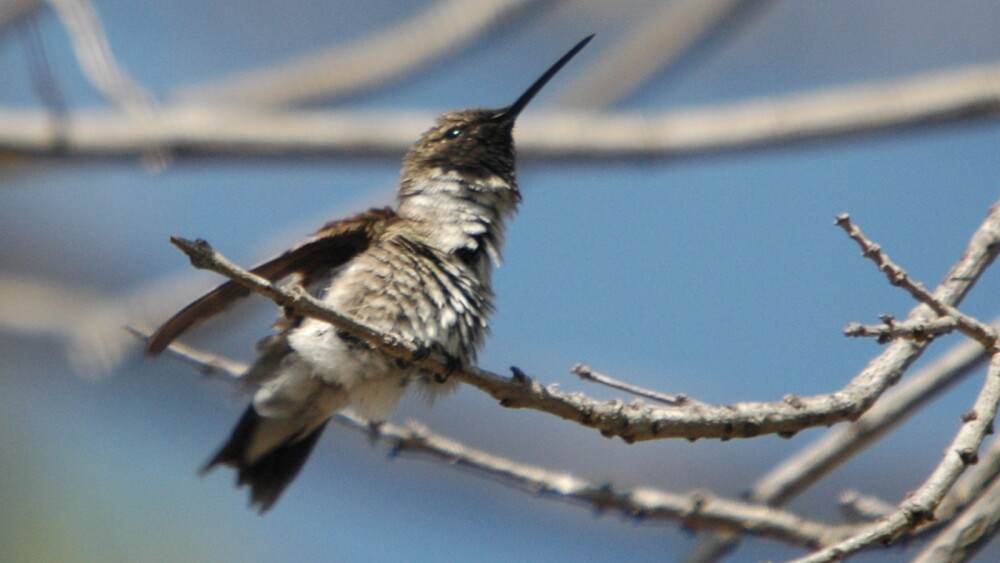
(452,214)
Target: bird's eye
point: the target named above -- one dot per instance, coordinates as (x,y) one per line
(453,133)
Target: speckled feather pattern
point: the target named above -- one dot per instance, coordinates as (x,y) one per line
(420,273)
(426,281)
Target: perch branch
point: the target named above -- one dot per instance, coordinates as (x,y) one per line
(638,421)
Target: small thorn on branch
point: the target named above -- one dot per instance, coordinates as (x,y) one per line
(519,375)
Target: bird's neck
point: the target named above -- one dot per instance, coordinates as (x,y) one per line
(456,213)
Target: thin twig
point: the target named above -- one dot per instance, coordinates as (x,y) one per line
(944,97)
(206,363)
(585,373)
(917,329)
(44,82)
(88,322)
(897,276)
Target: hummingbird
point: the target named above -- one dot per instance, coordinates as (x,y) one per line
(420,272)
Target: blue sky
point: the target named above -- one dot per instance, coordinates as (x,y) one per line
(721,277)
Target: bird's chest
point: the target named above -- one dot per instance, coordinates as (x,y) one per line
(421,296)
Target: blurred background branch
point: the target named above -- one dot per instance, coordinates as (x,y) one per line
(660,40)
(844,112)
(13,11)
(371,62)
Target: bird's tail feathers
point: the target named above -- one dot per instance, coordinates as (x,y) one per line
(268,473)
(276,434)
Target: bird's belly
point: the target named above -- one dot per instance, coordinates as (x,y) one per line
(424,312)
(336,357)
(374,382)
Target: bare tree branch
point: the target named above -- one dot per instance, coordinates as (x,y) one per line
(11,11)
(694,510)
(797,473)
(585,373)
(972,485)
(958,501)
(96,59)
(863,508)
(967,534)
(899,277)
(970,93)
(89,322)
(919,329)
(372,61)
(919,506)
(43,81)
(204,362)
(638,421)
(802,470)
(93,52)
(647,504)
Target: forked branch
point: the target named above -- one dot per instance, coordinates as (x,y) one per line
(637,420)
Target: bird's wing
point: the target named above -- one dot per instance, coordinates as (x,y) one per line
(330,247)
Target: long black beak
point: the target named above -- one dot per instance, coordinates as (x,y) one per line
(511,112)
